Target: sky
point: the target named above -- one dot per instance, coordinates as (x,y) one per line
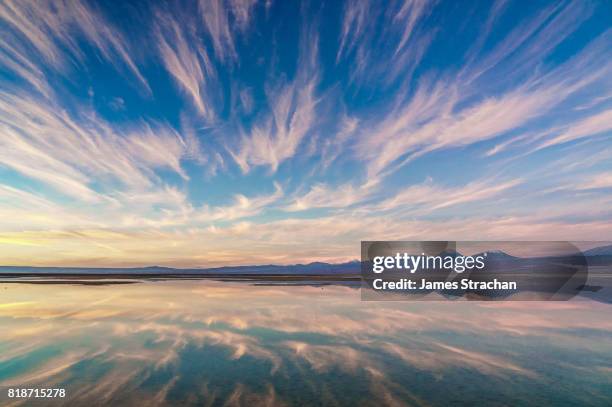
(198,134)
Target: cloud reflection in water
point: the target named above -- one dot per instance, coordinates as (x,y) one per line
(214,343)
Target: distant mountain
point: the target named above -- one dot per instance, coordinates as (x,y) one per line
(597,256)
(311,268)
(599,251)
(498,255)
(317,268)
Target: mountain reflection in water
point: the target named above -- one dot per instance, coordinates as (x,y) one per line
(221,343)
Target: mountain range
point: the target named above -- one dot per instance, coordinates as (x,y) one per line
(598,254)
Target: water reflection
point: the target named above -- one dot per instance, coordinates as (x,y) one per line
(219,343)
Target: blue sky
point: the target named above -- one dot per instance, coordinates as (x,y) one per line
(243,132)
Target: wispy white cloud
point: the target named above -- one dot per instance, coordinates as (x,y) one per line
(16,61)
(44,142)
(371,34)
(528,137)
(577,129)
(325,196)
(155,208)
(333,146)
(292,116)
(242,11)
(439,116)
(408,15)
(353,26)
(246,100)
(215,16)
(187,61)
(16,197)
(242,207)
(278,137)
(525,47)
(51,31)
(26,210)
(590,126)
(603,180)
(428,197)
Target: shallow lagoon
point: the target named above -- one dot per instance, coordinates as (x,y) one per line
(202,342)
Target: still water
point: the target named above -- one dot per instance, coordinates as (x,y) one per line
(222,344)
